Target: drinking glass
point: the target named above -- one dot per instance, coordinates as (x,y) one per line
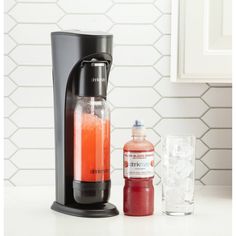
(178,163)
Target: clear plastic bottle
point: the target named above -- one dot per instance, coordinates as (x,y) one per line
(91,150)
(138,174)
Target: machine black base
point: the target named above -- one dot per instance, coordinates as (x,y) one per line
(90,211)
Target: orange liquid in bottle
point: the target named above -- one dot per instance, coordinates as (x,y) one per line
(91,148)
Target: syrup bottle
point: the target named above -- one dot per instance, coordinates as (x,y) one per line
(138,173)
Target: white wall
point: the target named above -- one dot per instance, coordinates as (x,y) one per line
(139,87)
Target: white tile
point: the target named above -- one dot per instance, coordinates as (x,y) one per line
(109,87)
(218,177)
(181,107)
(117,159)
(181,127)
(33,117)
(156,180)
(9,86)
(9,23)
(157,156)
(134,76)
(170,89)
(163,66)
(111,168)
(7,183)
(9,128)
(33,97)
(8,4)
(33,33)
(34,178)
(135,34)
(32,76)
(85,22)
(85,6)
(121,136)
(218,159)
(133,1)
(9,107)
(34,159)
(130,55)
(125,117)
(198,183)
(46,1)
(134,13)
(110,105)
(201,149)
(9,148)
(117,178)
(220,84)
(164,5)
(33,55)
(200,169)
(158,149)
(218,138)
(158,169)
(163,44)
(219,117)
(157,162)
(133,97)
(9,169)
(9,65)
(34,138)
(218,97)
(36,13)
(9,44)
(163,24)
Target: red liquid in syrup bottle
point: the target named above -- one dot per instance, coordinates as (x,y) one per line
(138,174)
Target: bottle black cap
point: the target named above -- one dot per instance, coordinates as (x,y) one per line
(92,80)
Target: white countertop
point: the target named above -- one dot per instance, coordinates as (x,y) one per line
(28,213)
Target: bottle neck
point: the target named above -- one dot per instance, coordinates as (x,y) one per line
(138,138)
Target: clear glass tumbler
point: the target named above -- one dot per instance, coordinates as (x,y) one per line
(178,163)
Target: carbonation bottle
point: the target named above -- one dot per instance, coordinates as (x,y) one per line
(91,183)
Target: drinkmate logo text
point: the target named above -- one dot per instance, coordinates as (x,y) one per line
(98,79)
(138,164)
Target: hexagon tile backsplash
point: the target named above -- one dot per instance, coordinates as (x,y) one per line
(139,87)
